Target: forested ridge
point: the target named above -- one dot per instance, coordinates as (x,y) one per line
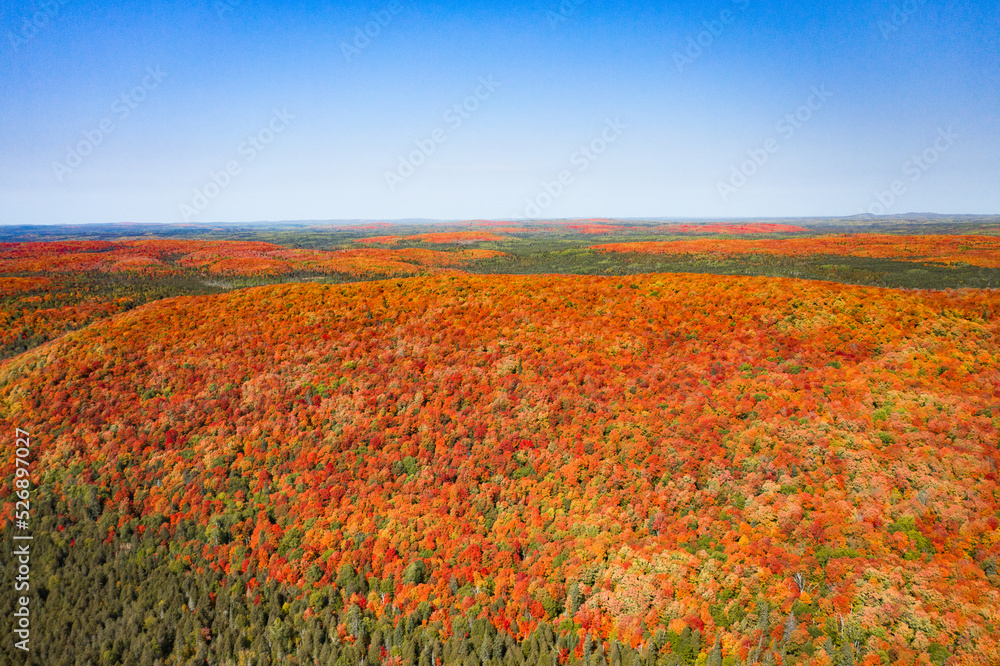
(480,469)
(969,249)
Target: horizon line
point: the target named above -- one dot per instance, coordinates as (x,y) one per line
(418,220)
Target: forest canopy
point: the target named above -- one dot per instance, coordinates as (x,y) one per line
(648,469)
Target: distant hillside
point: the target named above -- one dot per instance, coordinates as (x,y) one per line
(269,230)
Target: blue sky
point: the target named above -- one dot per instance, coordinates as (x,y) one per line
(239,110)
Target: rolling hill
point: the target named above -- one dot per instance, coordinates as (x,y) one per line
(485,469)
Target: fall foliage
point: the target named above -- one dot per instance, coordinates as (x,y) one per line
(442,237)
(674,467)
(169,256)
(967,249)
(707,228)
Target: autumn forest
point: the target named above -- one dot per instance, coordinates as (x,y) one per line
(586,442)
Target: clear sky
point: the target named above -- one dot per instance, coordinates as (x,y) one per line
(244,110)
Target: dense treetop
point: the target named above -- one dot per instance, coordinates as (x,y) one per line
(794,470)
(966,249)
